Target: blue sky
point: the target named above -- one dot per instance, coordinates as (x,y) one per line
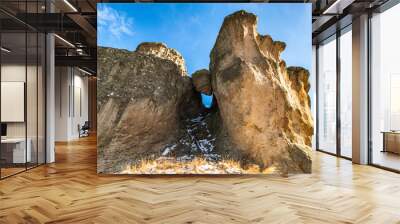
(192,28)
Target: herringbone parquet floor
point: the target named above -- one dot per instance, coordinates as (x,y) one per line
(70,191)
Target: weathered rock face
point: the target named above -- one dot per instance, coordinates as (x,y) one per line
(264,107)
(142,96)
(202,81)
(162,51)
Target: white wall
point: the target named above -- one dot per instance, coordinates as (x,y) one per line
(17,72)
(13,101)
(14,72)
(62,81)
(33,126)
(80,110)
(71,102)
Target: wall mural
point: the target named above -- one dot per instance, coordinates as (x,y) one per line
(245,112)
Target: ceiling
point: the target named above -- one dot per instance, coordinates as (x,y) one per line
(329,16)
(73,21)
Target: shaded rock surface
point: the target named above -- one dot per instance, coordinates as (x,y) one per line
(264,107)
(197,140)
(142,98)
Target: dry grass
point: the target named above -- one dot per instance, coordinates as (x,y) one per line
(169,165)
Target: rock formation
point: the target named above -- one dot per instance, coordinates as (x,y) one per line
(149,110)
(202,81)
(142,96)
(162,51)
(264,107)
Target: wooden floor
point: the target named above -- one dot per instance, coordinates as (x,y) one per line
(5,172)
(386,159)
(70,191)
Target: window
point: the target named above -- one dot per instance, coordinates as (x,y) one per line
(385,89)
(346,93)
(22,77)
(327,96)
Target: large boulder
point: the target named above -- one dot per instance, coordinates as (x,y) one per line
(142,98)
(264,107)
(202,81)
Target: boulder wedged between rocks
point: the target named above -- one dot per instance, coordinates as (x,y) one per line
(202,81)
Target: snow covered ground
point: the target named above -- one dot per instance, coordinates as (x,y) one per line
(194,153)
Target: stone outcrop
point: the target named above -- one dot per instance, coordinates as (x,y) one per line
(149,110)
(162,51)
(264,106)
(142,97)
(202,81)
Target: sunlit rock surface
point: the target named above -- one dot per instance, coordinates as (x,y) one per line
(162,51)
(264,107)
(150,118)
(142,97)
(202,81)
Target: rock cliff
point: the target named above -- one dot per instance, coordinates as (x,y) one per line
(264,106)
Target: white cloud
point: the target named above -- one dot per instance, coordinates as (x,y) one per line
(114,22)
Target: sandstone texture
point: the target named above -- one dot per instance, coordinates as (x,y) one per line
(264,107)
(202,81)
(142,98)
(162,51)
(150,117)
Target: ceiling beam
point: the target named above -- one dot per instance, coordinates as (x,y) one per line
(90,31)
(49,22)
(337,6)
(77,61)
